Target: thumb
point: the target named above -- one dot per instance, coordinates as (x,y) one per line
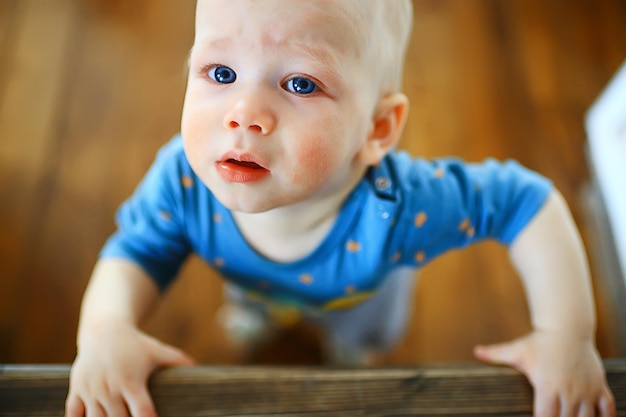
(166,355)
(500,354)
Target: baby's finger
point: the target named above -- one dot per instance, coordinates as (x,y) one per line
(586,410)
(140,403)
(166,355)
(115,407)
(507,353)
(570,406)
(94,409)
(74,406)
(606,405)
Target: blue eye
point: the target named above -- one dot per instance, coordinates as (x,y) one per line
(301,85)
(222,75)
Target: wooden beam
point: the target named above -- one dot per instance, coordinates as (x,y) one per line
(459,390)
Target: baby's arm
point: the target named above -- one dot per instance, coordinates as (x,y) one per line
(559,356)
(115,358)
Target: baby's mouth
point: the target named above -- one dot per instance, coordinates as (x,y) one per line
(244,164)
(238,171)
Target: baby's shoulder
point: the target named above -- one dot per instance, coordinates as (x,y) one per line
(409,172)
(172,151)
(171,161)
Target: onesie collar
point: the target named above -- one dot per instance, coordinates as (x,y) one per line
(382,180)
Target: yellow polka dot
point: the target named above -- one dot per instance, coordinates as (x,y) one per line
(217,218)
(439,173)
(420,219)
(420,256)
(396,257)
(353,246)
(219,262)
(470,232)
(350,289)
(306,279)
(164,215)
(187,181)
(465,224)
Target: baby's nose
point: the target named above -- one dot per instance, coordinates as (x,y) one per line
(251,113)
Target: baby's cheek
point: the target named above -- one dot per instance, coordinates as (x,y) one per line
(192,125)
(314,160)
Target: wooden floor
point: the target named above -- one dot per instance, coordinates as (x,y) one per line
(89,90)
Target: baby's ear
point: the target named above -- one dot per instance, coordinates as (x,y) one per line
(387,125)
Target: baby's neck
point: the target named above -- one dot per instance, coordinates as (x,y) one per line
(290,233)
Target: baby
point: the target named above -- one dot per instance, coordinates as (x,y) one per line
(286,180)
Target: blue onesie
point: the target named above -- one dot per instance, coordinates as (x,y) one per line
(404,213)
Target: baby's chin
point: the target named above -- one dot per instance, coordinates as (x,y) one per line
(249,204)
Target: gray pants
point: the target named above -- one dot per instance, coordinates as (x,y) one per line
(374,326)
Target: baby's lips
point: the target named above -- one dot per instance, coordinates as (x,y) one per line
(245,160)
(244,164)
(237,171)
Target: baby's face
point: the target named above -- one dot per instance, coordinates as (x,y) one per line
(278,102)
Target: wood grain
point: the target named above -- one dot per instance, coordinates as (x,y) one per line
(296,391)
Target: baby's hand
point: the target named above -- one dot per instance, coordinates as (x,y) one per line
(109,375)
(566,373)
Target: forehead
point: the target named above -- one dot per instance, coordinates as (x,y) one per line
(335,25)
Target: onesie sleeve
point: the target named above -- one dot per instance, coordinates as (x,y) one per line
(451,204)
(150,223)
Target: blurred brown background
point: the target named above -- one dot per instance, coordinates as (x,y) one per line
(89,90)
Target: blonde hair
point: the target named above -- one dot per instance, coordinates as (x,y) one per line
(387,35)
(399,21)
